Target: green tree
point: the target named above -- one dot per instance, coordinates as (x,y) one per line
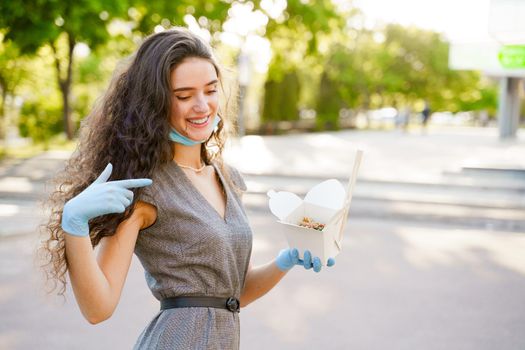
(349,77)
(146,14)
(11,74)
(397,66)
(281,98)
(40,118)
(62,25)
(421,58)
(296,37)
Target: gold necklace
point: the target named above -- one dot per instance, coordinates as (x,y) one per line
(192,168)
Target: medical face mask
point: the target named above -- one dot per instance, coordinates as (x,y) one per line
(175,136)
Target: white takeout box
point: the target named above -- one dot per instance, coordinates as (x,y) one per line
(327,203)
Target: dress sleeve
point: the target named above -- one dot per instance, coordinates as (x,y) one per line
(147,194)
(237,179)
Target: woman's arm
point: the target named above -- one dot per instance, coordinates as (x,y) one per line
(97,282)
(259,281)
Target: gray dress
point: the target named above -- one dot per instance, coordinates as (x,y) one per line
(191,250)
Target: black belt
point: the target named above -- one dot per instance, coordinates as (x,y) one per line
(232,304)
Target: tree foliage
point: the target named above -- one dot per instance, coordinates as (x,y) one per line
(281,98)
(398,66)
(60,24)
(320,58)
(295,38)
(11,74)
(210,14)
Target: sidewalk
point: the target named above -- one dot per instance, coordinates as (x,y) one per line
(394,286)
(458,176)
(414,283)
(463,174)
(388,155)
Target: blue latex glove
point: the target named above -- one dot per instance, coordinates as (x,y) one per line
(288,258)
(99,198)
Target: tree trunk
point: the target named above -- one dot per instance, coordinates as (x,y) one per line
(66,111)
(65,84)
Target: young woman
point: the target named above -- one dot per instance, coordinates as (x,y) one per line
(148,178)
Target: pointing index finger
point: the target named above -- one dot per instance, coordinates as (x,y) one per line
(132,183)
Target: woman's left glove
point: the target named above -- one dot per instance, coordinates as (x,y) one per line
(99,198)
(289,257)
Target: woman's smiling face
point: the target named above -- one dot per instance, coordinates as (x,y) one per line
(195,98)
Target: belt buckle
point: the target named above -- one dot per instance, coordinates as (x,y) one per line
(232,304)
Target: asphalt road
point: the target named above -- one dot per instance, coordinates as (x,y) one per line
(433,254)
(395,286)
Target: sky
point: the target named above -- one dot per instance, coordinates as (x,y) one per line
(459,20)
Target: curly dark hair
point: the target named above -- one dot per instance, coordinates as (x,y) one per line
(129,127)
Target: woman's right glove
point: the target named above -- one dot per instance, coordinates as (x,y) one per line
(288,258)
(98,199)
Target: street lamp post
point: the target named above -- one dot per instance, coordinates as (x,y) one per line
(243,64)
(506,29)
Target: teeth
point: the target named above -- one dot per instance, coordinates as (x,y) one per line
(199,121)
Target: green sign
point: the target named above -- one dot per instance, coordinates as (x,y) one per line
(512,56)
